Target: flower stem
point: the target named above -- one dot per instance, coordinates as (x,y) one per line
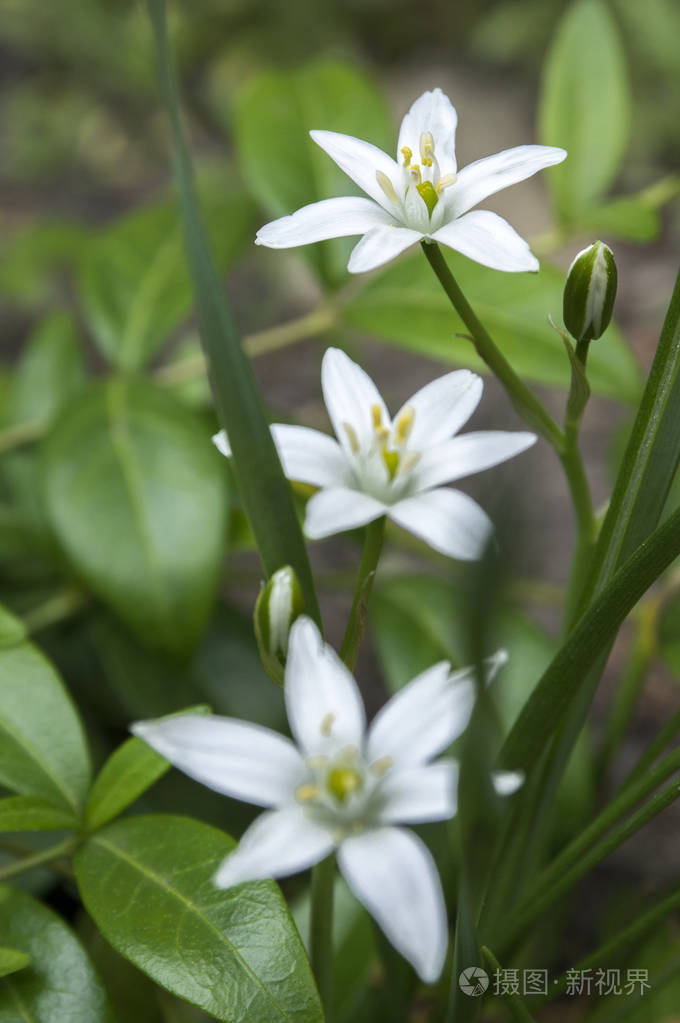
(321,930)
(39,859)
(525,401)
(375,532)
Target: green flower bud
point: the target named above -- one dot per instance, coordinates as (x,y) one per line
(278,605)
(590,292)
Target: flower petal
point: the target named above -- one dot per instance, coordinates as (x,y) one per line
(278,843)
(338,509)
(323,702)
(361,162)
(489,175)
(379,246)
(442,407)
(431,112)
(233,757)
(393,874)
(424,717)
(350,396)
(507,782)
(489,240)
(310,456)
(468,454)
(414,795)
(449,521)
(330,218)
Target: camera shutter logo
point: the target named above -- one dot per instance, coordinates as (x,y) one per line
(473,981)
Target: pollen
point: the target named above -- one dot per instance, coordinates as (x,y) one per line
(307,793)
(405,424)
(327,724)
(426,148)
(387,186)
(381,765)
(408,155)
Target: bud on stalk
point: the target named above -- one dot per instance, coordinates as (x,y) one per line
(589,292)
(278,605)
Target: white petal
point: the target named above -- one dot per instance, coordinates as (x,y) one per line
(379,246)
(278,843)
(330,218)
(489,175)
(468,454)
(414,795)
(393,874)
(489,240)
(338,509)
(442,407)
(310,456)
(221,442)
(350,395)
(233,757)
(431,112)
(323,702)
(360,161)
(507,782)
(424,717)
(450,522)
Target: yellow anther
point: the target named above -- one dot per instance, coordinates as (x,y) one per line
(386,185)
(315,763)
(381,765)
(391,460)
(342,782)
(352,436)
(408,153)
(428,195)
(376,414)
(405,424)
(307,793)
(327,724)
(448,179)
(426,148)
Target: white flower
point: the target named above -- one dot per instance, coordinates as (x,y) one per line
(395,467)
(420,195)
(341,787)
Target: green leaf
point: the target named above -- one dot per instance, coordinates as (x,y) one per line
(147,883)
(283,167)
(129,470)
(60,985)
(42,746)
(406,306)
(49,371)
(129,771)
(12,630)
(134,283)
(632,218)
(32,257)
(585,105)
(11,960)
(262,485)
(29,813)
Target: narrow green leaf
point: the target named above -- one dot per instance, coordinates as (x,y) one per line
(30,813)
(42,746)
(130,770)
(129,470)
(147,883)
(585,105)
(60,984)
(11,960)
(406,306)
(518,1009)
(264,489)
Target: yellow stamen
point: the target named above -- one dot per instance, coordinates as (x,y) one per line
(376,413)
(405,424)
(408,153)
(342,782)
(448,179)
(353,439)
(386,185)
(381,765)
(327,724)
(307,793)
(426,148)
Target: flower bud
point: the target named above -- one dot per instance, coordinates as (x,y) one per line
(278,605)
(590,292)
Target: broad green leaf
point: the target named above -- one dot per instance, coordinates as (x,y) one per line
(129,771)
(60,984)
(12,630)
(136,496)
(406,306)
(147,883)
(134,283)
(629,218)
(42,746)
(49,371)
(33,257)
(11,960)
(30,813)
(264,490)
(282,166)
(585,105)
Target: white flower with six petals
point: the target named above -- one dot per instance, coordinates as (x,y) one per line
(419,196)
(340,786)
(395,467)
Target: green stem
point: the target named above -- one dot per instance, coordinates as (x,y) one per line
(373,541)
(17,436)
(525,401)
(39,859)
(655,749)
(56,608)
(321,930)
(518,1009)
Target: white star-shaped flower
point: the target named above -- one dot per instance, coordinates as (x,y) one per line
(394,467)
(419,196)
(342,787)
